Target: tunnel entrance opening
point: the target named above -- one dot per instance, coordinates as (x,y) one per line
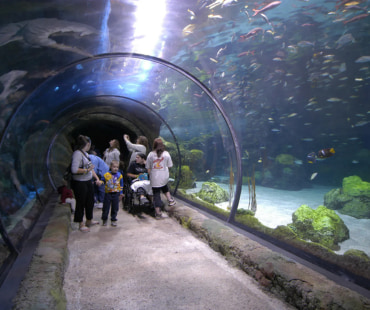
(98,119)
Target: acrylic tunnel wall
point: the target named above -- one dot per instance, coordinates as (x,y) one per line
(279,122)
(126,93)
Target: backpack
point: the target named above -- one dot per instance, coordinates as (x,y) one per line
(67,175)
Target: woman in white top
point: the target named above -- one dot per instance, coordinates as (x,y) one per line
(158,163)
(141,146)
(112,153)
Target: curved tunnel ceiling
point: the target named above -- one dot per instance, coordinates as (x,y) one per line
(128,92)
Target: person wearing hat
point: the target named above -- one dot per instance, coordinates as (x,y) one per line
(139,178)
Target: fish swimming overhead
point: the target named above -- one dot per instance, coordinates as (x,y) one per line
(251,33)
(363,59)
(325,153)
(311,158)
(344,40)
(356,18)
(267,7)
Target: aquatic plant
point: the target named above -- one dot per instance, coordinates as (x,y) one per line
(252,204)
(185,222)
(187,178)
(244,212)
(231,184)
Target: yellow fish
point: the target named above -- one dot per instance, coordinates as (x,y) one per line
(292,115)
(351,3)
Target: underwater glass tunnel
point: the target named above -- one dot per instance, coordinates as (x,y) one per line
(264,107)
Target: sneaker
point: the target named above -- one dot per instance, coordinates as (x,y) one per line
(158,216)
(171,202)
(100,205)
(105,223)
(114,223)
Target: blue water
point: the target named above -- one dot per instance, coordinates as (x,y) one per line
(275,207)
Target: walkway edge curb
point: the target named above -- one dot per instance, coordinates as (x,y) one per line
(294,283)
(42,286)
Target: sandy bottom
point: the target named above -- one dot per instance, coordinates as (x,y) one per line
(275,207)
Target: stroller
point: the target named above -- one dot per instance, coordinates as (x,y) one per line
(131,200)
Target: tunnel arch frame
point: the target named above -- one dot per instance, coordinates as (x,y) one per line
(169,65)
(202,86)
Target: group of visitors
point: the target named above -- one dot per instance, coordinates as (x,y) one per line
(99,181)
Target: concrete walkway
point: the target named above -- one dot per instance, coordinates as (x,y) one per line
(146,263)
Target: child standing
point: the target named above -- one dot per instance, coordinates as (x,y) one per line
(66,196)
(158,163)
(113,180)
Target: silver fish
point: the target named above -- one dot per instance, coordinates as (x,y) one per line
(363,59)
(344,40)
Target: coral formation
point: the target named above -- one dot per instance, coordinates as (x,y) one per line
(322,225)
(213,193)
(285,159)
(353,199)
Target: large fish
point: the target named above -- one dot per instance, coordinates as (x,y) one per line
(356,18)
(344,40)
(251,33)
(267,7)
(363,59)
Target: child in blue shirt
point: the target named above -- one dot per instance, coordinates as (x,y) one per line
(113,181)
